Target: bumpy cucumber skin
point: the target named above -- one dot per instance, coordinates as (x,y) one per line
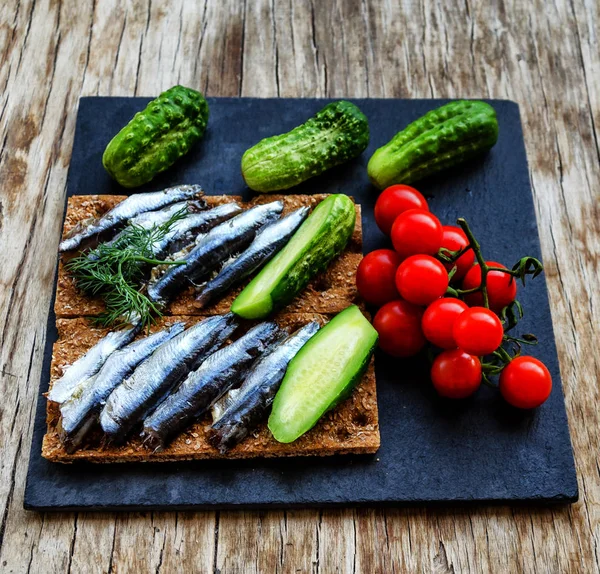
(335,134)
(442,138)
(324,246)
(344,393)
(157,136)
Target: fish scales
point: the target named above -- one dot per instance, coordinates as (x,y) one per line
(267,243)
(151,219)
(185,230)
(155,377)
(239,411)
(88,365)
(213,248)
(215,376)
(131,207)
(80,412)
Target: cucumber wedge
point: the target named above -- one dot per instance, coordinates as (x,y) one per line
(322,374)
(320,239)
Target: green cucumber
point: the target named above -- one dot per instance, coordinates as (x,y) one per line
(322,374)
(335,134)
(156,137)
(442,138)
(320,239)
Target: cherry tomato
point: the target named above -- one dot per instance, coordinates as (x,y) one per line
(501,287)
(417,231)
(395,200)
(421,279)
(399,326)
(454,239)
(478,331)
(375,276)
(438,321)
(456,374)
(525,383)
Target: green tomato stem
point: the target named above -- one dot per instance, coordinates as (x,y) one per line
(486,381)
(478,255)
(504,354)
(467,291)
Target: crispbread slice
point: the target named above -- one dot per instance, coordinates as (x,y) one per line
(70,301)
(351,428)
(329,293)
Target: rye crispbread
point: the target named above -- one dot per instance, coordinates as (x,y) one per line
(352,427)
(329,293)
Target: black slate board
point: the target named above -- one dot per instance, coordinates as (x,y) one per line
(431,450)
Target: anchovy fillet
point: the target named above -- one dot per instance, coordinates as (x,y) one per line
(81,411)
(154,378)
(216,246)
(185,230)
(160,216)
(131,207)
(239,411)
(267,242)
(88,365)
(216,375)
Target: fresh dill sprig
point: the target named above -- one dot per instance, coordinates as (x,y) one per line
(116,270)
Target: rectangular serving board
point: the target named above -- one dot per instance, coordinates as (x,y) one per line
(432,451)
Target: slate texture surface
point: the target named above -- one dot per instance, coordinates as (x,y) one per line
(432,450)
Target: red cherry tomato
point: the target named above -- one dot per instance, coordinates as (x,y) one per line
(454,239)
(417,231)
(399,326)
(478,331)
(501,287)
(375,276)
(456,374)
(525,383)
(395,200)
(421,279)
(438,321)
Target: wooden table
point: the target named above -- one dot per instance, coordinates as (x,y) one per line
(540,54)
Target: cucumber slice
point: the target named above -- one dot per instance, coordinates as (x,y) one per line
(322,374)
(320,238)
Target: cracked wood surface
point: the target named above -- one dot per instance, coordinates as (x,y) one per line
(540,54)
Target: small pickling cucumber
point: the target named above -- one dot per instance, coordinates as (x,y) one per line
(322,374)
(442,138)
(335,134)
(156,137)
(321,237)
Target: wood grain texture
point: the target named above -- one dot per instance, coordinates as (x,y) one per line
(544,55)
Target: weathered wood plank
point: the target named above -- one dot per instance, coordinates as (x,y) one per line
(33,164)
(542,55)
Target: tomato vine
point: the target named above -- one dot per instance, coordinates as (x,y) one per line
(511,314)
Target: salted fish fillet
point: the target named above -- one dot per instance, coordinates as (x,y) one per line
(187,229)
(156,376)
(151,219)
(131,207)
(215,376)
(266,244)
(80,413)
(238,412)
(212,249)
(88,365)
